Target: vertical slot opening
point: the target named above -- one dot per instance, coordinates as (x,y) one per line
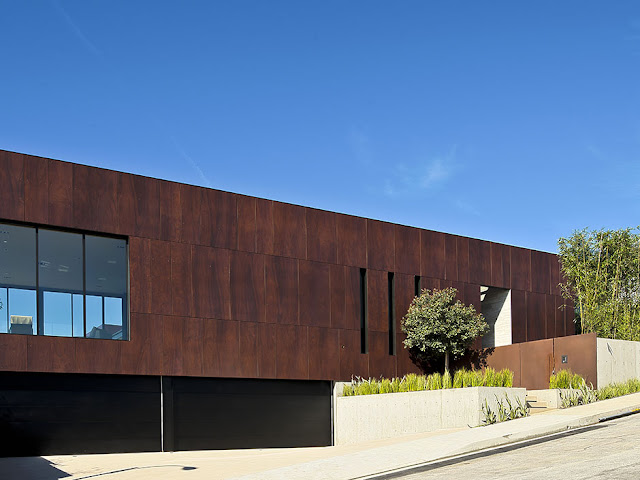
(417,285)
(392,313)
(364,337)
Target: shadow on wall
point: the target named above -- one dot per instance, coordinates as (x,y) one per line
(473,359)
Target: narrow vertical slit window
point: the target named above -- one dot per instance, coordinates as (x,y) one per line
(417,285)
(364,334)
(392,314)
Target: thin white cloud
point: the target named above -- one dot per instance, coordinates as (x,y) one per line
(205,180)
(425,176)
(76,30)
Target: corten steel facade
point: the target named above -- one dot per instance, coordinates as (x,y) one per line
(227,285)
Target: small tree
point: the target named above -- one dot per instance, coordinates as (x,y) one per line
(437,324)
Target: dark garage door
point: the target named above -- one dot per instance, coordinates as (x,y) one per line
(204,413)
(58,413)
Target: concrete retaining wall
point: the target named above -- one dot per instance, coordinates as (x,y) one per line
(618,361)
(365,418)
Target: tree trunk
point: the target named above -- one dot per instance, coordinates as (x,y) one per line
(446,362)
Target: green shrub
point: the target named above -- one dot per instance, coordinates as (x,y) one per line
(619,389)
(566,379)
(446,380)
(505,378)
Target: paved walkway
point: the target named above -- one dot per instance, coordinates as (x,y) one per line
(343,462)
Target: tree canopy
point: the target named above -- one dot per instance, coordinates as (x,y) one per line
(438,324)
(601,270)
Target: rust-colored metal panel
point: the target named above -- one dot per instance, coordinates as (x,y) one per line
(536,364)
(535,316)
(190,199)
(459,286)
(432,283)
(520,268)
(581,356)
(352,298)
(247,287)
(540,272)
(518,316)
(246,223)
(380,362)
(13,352)
(147,206)
(472,296)
(95,199)
(404,294)
(267,350)
(264,226)
(380,245)
(315,294)
(450,258)
(229,348)
(462,249)
(12,185)
(549,316)
(480,262)
(161,289)
(352,362)
(40,353)
(282,290)
(322,243)
(407,247)
(60,197)
(507,356)
(182,346)
(142,355)
(211,282)
(292,347)
(218,219)
(98,356)
(377,301)
(140,275)
(182,298)
(338,296)
(569,318)
(170,211)
(36,191)
(352,240)
(554,269)
(192,334)
(289,230)
(432,254)
(324,353)
(559,317)
(212,347)
(500,266)
(248,351)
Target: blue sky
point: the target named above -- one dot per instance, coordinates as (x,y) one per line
(501,120)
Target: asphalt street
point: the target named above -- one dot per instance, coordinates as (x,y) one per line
(608,450)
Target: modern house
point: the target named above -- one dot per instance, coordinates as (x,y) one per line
(143,315)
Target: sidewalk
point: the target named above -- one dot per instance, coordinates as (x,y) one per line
(343,462)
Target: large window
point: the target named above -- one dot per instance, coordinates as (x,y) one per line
(62,284)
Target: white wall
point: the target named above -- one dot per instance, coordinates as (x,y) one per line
(618,361)
(496,308)
(365,418)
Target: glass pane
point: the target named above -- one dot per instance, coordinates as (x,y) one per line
(17,256)
(60,261)
(4,311)
(113,317)
(106,277)
(22,311)
(94,316)
(78,316)
(57,313)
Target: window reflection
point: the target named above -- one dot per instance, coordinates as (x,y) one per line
(62,284)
